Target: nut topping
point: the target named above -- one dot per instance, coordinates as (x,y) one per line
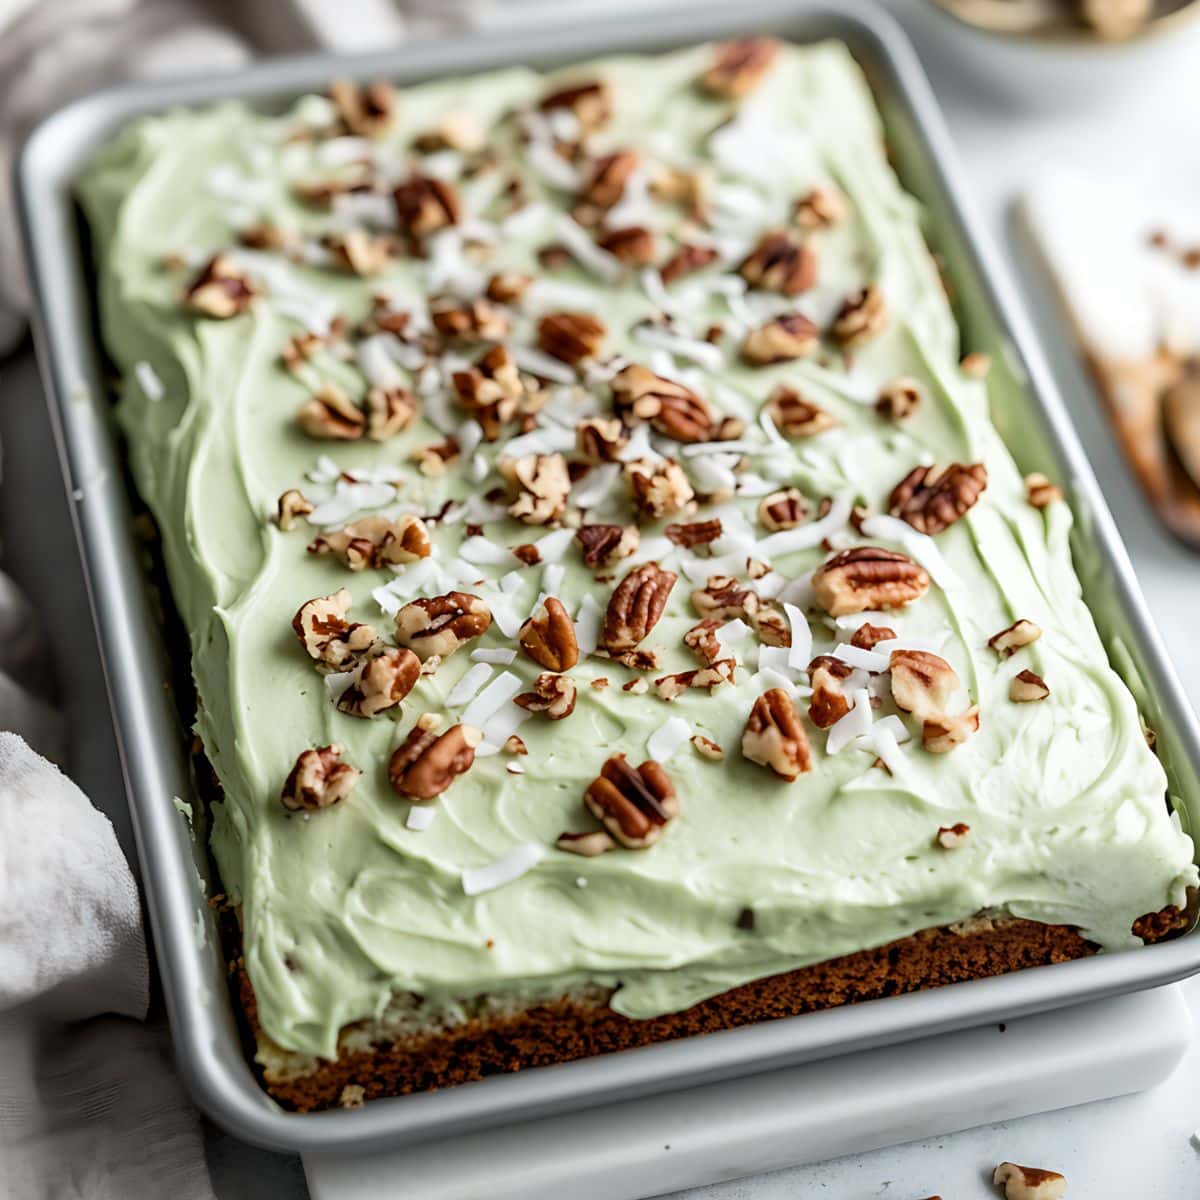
(775,738)
(360,252)
(868,578)
(570,337)
(674,410)
(781,263)
(1029,1183)
(600,439)
(899,399)
(821,208)
(634,246)
(332,641)
(862,315)
(739,67)
(707,748)
(976,365)
(477,319)
(868,636)
(1026,688)
(220,290)
(829,702)
(1020,633)
(552,694)
(331,415)
(1040,491)
(293,505)
(634,804)
(425,764)
(687,260)
(437,626)
(543,485)
(319,779)
(784,509)
(605,183)
(942,734)
(364,111)
(635,607)
(694,533)
(455,131)
(607,544)
(702,640)
(724,597)
(723,670)
(376,541)
(425,205)
(490,390)
(507,287)
(548,637)
(586,844)
(922,683)
(952,837)
(782,339)
(659,489)
(389,411)
(384,680)
(591,102)
(796,417)
(931,499)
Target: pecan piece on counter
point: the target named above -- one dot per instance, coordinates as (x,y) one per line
(724,598)
(635,607)
(590,102)
(389,411)
(952,837)
(548,637)
(635,804)
(365,111)
(1020,633)
(829,703)
(702,640)
(543,485)
(376,541)
(723,670)
(922,683)
(795,416)
(359,252)
(588,845)
(607,544)
(634,246)
(687,260)
(507,287)
(331,640)
(659,489)
(781,339)
(784,509)
(862,315)
(781,263)
(425,205)
(1029,1183)
(1040,492)
(330,415)
(941,734)
(600,439)
(318,779)
(607,176)
(552,694)
(931,499)
(221,290)
(821,208)
(638,394)
(435,627)
(739,66)
(868,578)
(293,506)
(381,683)
(490,390)
(868,636)
(1027,687)
(425,764)
(478,319)
(899,399)
(775,738)
(570,337)
(694,533)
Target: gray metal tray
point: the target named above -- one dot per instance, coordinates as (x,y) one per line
(1029,413)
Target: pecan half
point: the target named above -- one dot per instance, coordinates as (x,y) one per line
(477,319)
(365,111)
(899,399)
(330,415)
(507,287)
(331,640)
(318,779)
(722,670)
(606,178)
(862,315)
(794,416)
(781,263)
(941,734)
(221,290)
(821,208)
(724,597)
(389,411)
(639,394)
(687,260)
(868,578)
(829,702)
(739,67)
(425,205)
(548,637)
(600,439)
(868,636)
(784,509)
(543,485)
(1040,492)
(659,489)
(775,738)
(1029,1183)
(952,837)
(607,544)
(570,337)
(1020,633)
(635,804)
(635,607)
(425,764)
(292,506)
(634,246)
(931,499)
(922,683)
(376,541)
(437,626)
(490,390)
(360,252)
(588,845)
(1027,687)
(694,533)
(383,681)
(781,339)
(552,694)
(591,102)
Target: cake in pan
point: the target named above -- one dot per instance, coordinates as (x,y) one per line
(612,613)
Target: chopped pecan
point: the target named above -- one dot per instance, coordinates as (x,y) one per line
(941,734)
(821,208)
(607,544)
(829,702)
(702,640)
(707,748)
(1029,1183)
(772,627)
(931,499)
(330,639)
(376,541)
(330,415)
(775,738)
(266,236)
(659,489)
(1040,492)
(723,670)
(382,682)
(434,460)
(365,111)
(586,844)
(221,290)
(360,252)
(789,336)
(299,349)
(634,246)
(591,103)
(784,509)
(543,484)
(899,399)
(724,597)
(862,315)
(490,390)
(794,416)
(570,337)
(528,553)
(293,505)
(437,626)
(600,439)
(514,745)
(868,578)
(739,66)
(455,131)
(507,287)
(319,779)
(1027,687)
(321,193)
(1020,633)
(635,606)
(687,260)
(607,177)
(976,365)
(687,187)
(552,694)
(389,411)
(674,410)
(694,533)
(425,764)
(634,804)
(425,205)
(868,636)
(781,263)
(952,837)
(548,637)
(479,319)
(922,683)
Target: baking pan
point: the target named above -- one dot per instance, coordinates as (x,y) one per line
(1030,416)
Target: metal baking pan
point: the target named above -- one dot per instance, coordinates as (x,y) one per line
(151,738)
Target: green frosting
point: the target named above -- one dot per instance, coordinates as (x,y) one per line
(348,906)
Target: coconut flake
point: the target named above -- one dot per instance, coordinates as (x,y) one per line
(512,582)
(499,727)
(552,577)
(500,657)
(919,545)
(420,817)
(376,363)
(656,291)
(714,474)
(667,738)
(750,484)
(538,362)
(148,381)
(767,677)
(478,549)
(349,498)
(493,697)
(578,241)
(711,357)
(799,591)
(884,743)
(732,632)
(856,656)
(856,723)
(466,689)
(805,537)
(552,546)
(336,682)
(800,651)
(587,624)
(503,870)
(595,487)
